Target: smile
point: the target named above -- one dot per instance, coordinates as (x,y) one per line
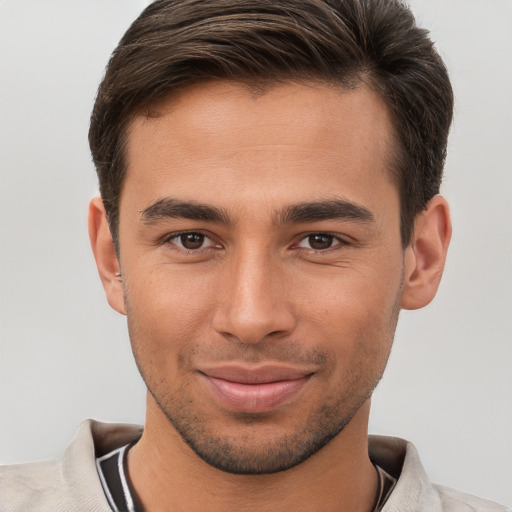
(255,391)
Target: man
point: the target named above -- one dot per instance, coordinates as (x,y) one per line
(269,176)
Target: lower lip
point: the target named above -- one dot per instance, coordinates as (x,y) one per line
(255,398)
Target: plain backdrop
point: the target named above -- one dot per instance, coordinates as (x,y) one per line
(65,356)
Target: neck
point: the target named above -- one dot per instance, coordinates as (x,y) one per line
(167,475)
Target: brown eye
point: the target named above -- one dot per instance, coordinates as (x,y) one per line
(191,241)
(320,241)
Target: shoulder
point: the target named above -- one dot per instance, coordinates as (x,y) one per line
(414,491)
(25,484)
(456,501)
(70,483)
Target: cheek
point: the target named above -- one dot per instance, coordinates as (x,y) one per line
(165,316)
(357,298)
(355,317)
(169,296)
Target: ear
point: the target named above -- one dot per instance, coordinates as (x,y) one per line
(426,255)
(105,255)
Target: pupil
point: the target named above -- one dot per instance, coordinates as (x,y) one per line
(192,240)
(320,241)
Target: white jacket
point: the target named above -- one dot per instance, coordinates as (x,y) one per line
(71,484)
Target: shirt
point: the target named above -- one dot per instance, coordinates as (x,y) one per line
(113,473)
(72,483)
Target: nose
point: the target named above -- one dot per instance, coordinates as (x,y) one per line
(254,303)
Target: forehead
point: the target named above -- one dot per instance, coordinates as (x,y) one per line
(292,133)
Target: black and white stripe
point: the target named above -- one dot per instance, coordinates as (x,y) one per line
(113,476)
(112,473)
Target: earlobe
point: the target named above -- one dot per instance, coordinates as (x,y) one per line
(426,255)
(105,255)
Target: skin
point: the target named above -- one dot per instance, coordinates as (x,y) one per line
(251,280)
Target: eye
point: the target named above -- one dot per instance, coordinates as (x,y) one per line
(320,241)
(191,241)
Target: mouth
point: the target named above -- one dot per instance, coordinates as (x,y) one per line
(255,390)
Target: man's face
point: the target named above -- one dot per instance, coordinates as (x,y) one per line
(262,265)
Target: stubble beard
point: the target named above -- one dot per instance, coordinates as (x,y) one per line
(251,455)
(246,453)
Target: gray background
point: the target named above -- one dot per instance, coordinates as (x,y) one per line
(64,355)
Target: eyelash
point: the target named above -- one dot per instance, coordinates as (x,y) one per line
(340,242)
(169,240)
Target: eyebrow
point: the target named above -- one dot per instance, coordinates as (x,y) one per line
(325,210)
(170,208)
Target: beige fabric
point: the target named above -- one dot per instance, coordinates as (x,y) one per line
(71,483)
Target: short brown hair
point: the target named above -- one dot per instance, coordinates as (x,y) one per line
(177,43)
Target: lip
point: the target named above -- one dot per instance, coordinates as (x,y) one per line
(255,390)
